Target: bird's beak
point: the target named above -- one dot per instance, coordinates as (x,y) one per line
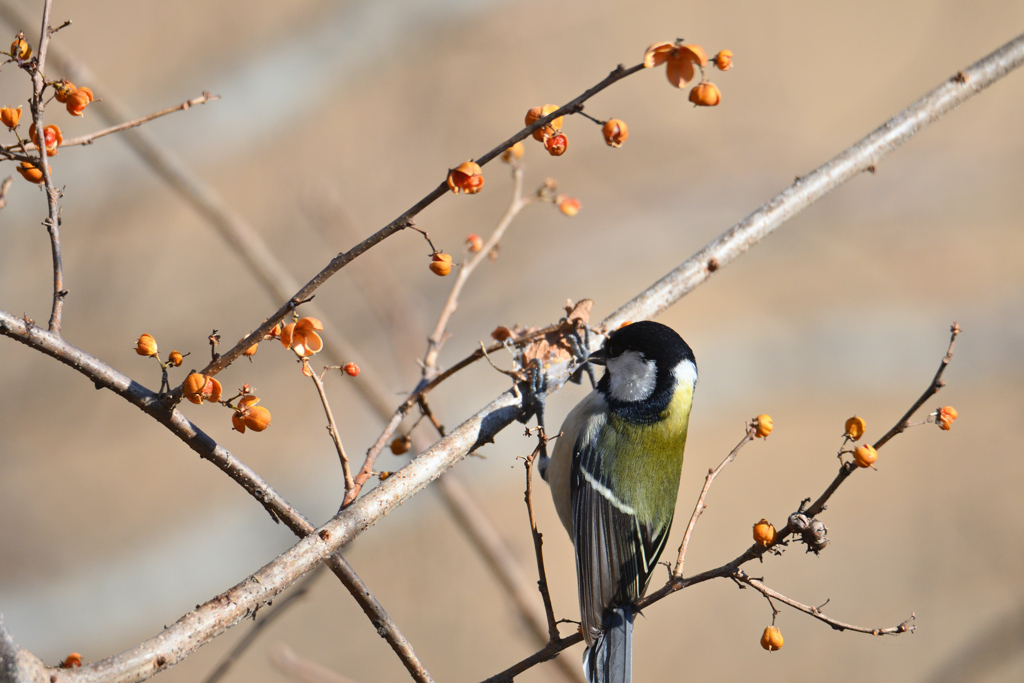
(599,357)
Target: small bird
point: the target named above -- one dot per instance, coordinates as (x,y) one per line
(614,477)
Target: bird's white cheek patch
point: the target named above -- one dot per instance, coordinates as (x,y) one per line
(630,377)
(686,374)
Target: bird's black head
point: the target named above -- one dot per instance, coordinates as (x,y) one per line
(645,362)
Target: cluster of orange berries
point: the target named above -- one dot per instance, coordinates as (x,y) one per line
(73,98)
(681,65)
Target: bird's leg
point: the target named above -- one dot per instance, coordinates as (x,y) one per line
(579,345)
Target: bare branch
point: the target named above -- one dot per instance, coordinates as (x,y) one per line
(287,662)
(271,615)
(90,138)
(332,427)
(905,627)
(4,187)
(538,544)
(677,571)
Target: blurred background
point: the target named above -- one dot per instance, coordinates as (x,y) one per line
(336,117)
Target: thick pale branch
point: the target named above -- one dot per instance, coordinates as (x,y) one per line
(178,641)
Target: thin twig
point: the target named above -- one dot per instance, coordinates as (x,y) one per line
(332,427)
(4,187)
(538,544)
(401,222)
(271,614)
(905,627)
(299,668)
(366,471)
(88,139)
(677,571)
(52,222)
(437,337)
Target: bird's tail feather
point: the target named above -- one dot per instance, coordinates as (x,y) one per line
(610,658)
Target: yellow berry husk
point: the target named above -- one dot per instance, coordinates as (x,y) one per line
(78,101)
(146,346)
(865,456)
(175,359)
(764,426)
(63,90)
(286,335)
(615,132)
(401,445)
(237,422)
(771,639)
(72,660)
(657,54)
(764,533)
(855,427)
(945,417)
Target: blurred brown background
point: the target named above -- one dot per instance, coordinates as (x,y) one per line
(335,117)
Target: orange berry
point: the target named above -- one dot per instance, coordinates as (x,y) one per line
(10,117)
(52,136)
(198,388)
(351,369)
(723,60)
(705,94)
(570,206)
(615,132)
(763,425)
(441,264)
(771,639)
(20,49)
(31,172)
(855,427)
(146,346)
(556,144)
(63,90)
(764,533)
(513,153)
(945,417)
(304,338)
(73,660)
(865,455)
(78,101)
(286,335)
(536,114)
(474,243)
(251,351)
(175,359)
(658,54)
(682,64)
(466,178)
(401,445)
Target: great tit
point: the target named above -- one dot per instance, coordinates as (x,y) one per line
(614,476)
